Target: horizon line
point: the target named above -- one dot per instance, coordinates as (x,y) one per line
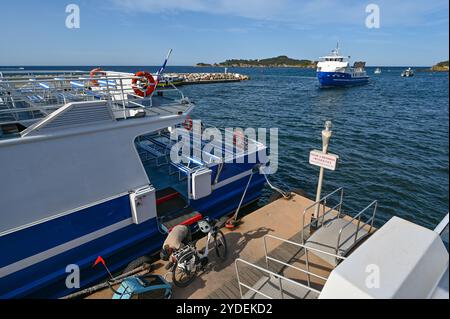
(185,65)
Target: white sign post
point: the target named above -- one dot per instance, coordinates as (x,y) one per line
(323,160)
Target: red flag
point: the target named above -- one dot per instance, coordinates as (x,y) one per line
(99,260)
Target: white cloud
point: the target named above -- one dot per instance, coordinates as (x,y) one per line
(300,12)
(254,9)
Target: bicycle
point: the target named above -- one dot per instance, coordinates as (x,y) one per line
(186,261)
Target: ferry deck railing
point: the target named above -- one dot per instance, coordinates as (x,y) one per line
(39,94)
(162,143)
(322,211)
(306,249)
(280,277)
(270,273)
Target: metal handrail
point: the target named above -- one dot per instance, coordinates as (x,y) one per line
(280,277)
(358,227)
(324,199)
(306,248)
(39,93)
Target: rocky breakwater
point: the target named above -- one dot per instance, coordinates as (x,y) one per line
(191,78)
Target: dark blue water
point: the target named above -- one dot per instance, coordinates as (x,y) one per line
(391,135)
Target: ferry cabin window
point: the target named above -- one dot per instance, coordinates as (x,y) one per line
(334,59)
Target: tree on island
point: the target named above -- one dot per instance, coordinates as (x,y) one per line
(280,61)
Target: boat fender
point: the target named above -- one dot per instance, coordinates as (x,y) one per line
(143,83)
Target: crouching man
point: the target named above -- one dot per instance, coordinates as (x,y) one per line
(177,238)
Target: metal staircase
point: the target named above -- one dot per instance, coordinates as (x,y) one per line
(287,280)
(336,233)
(328,238)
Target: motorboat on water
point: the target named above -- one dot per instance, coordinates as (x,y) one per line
(335,70)
(377,71)
(86,165)
(408,73)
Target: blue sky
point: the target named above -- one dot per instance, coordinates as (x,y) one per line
(139,32)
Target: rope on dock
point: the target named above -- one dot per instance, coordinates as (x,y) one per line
(286,195)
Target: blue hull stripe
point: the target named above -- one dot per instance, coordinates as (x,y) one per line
(55,232)
(46,279)
(340,79)
(117,248)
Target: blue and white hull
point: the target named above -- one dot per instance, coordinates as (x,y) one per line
(331,79)
(34,260)
(95,178)
(334,70)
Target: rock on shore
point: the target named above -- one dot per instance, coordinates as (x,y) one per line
(440,67)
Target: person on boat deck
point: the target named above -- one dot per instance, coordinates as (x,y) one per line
(177,238)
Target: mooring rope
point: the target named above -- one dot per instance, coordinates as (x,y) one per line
(283,193)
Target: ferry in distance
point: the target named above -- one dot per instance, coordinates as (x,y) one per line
(335,70)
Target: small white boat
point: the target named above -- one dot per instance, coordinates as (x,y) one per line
(377,71)
(407,73)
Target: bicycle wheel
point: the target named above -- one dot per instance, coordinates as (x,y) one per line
(182,277)
(220,245)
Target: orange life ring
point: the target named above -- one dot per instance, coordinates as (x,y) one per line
(188,124)
(94,73)
(143,84)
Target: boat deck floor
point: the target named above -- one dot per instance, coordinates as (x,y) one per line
(280,218)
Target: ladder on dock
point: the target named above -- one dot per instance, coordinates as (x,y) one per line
(270,284)
(334,232)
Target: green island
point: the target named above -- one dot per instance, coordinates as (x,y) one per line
(280,61)
(440,67)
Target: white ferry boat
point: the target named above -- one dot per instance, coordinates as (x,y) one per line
(334,70)
(86,171)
